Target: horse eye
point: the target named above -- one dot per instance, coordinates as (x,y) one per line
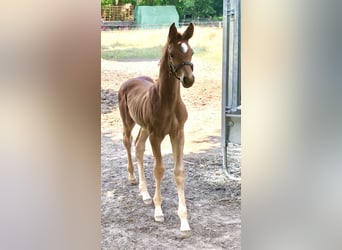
(171,55)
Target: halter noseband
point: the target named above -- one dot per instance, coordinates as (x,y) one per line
(174,68)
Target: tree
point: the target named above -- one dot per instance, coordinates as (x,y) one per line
(218,7)
(106,2)
(194,8)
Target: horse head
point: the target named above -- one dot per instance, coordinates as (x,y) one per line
(180,54)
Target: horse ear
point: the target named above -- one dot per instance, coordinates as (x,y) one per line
(173,33)
(188,32)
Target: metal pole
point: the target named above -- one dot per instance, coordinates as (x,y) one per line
(225,78)
(235,55)
(230,76)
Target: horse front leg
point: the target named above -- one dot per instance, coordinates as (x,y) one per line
(158,170)
(177,141)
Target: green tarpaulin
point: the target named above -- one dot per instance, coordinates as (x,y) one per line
(155,16)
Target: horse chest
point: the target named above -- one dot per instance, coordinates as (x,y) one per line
(164,122)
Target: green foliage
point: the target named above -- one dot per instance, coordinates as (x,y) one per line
(106,2)
(218,7)
(193,8)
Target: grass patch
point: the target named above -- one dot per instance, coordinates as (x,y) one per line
(199,51)
(148,44)
(132,53)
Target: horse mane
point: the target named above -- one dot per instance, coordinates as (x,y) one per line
(164,54)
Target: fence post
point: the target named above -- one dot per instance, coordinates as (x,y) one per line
(231,90)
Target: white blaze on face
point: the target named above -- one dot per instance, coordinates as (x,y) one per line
(184,47)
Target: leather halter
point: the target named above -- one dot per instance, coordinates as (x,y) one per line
(174,68)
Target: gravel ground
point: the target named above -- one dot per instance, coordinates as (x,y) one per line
(213,201)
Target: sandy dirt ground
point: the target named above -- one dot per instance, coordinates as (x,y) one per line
(213,201)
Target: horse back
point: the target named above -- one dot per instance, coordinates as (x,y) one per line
(135,86)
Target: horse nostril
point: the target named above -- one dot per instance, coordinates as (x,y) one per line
(188,81)
(192,78)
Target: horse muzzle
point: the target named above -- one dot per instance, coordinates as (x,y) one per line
(187,82)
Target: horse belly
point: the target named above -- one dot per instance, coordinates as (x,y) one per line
(140,94)
(137,108)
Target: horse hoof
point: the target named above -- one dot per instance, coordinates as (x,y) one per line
(159,218)
(133,182)
(147,201)
(185,234)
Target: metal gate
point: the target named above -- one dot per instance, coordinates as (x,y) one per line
(231,80)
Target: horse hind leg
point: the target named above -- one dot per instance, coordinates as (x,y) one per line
(127,140)
(128,125)
(140,149)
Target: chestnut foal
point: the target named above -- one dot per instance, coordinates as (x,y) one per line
(159,110)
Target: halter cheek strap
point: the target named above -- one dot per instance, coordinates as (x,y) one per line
(174,68)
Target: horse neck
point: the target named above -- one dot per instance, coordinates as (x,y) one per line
(168,85)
